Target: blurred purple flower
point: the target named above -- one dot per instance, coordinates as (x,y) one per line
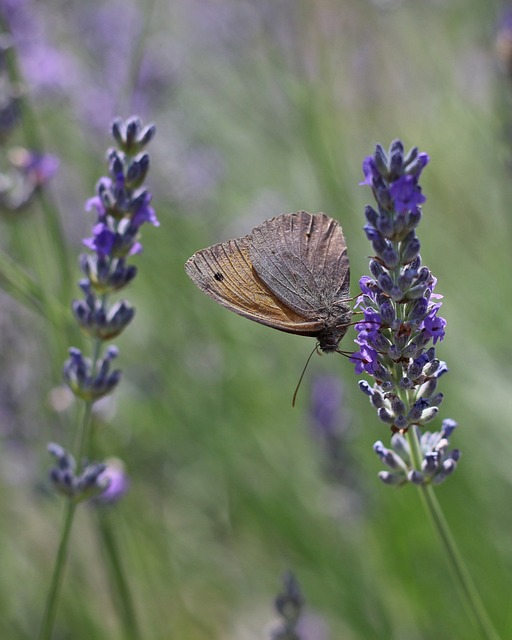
(37,168)
(118,482)
(326,407)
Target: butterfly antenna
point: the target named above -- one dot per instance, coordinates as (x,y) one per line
(302,375)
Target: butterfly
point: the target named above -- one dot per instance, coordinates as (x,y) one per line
(290,273)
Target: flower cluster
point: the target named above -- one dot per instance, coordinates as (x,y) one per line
(122,206)
(88,483)
(437,461)
(87,381)
(401,324)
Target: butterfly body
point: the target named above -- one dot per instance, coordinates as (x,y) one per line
(290,273)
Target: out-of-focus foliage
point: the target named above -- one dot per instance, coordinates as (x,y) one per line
(262,107)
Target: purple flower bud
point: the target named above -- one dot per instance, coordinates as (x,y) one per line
(448,427)
(428,388)
(371,215)
(412,154)
(117,481)
(365,388)
(418,310)
(410,248)
(385,416)
(389,256)
(436,400)
(385,226)
(390,478)
(381,160)
(428,415)
(416,164)
(387,313)
(377,399)
(416,411)
(397,405)
(416,477)
(370,171)
(386,283)
(137,171)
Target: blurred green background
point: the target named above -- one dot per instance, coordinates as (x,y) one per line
(262,107)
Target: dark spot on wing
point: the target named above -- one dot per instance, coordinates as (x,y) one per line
(218,276)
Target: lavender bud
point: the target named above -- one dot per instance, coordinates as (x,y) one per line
(410,159)
(448,426)
(397,405)
(415,477)
(377,399)
(371,215)
(418,310)
(387,312)
(386,283)
(417,410)
(436,400)
(385,226)
(381,160)
(428,415)
(410,248)
(389,256)
(428,388)
(137,170)
(390,478)
(385,416)
(376,269)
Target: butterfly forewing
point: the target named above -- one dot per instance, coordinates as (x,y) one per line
(302,258)
(224,271)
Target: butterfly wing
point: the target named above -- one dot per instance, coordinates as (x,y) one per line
(224,272)
(302,258)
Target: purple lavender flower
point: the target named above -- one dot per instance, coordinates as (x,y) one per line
(326,407)
(118,483)
(437,461)
(401,311)
(122,206)
(36,168)
(88,483)
(330,428)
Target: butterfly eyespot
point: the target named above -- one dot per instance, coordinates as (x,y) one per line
(218,276)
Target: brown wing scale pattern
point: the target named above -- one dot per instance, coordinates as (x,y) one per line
(302,258)
(225,272)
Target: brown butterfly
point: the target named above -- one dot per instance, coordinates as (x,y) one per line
(290,273)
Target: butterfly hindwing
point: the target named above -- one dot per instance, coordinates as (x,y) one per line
(225,272)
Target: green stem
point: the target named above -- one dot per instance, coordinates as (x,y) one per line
(118,582)
(48,621)
(467,589)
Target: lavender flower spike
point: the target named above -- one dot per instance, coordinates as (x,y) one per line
(401,321)
(89,483)
(437,461)
(122,206)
